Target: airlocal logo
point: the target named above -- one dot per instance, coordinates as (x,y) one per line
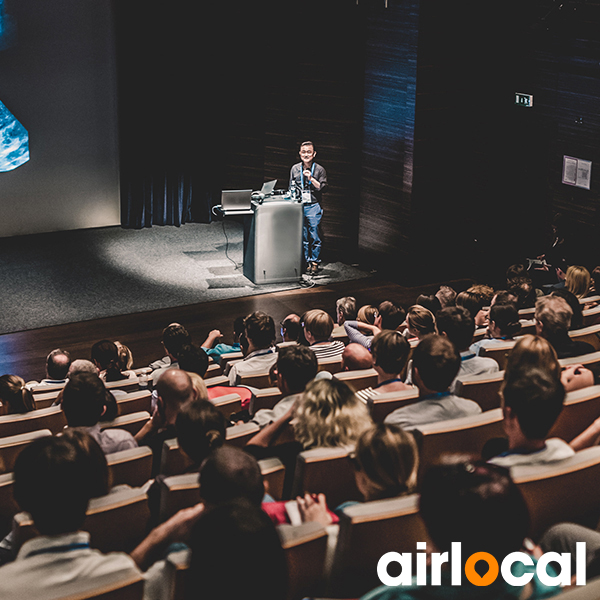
(505,569)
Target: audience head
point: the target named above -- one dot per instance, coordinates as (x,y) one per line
(534,399)
(390,352)
(484,292)
(193,359)
(329,415)
(386,462)
(259,330)
(83,400)
(241,534)
(296,366)
(436,363)
(356,357)
(420,321)
(390,315)
(516,271)
(474,503)
(345,309)
(80,365)
(106,357)
(125,356)
(577,280)
(596,278)
(504,297)
(552,317)
(430,302)
(57,364)
(446,295)
(472,302)
(290,328)
(367,314)
(504,321)
(228,473)
(55,477)
(199,386)
(175,389)
(174,336)
(576,306)
(457,324)
(318,326)
(238,328)
(200,429)
(523,289)
(15,394)
(532,352)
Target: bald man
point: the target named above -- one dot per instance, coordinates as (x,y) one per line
(356,357)
(174,389)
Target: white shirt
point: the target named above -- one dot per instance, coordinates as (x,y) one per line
(111,440)
(49,567)
(259,361)
(264,416)
(554,450)
(472,365)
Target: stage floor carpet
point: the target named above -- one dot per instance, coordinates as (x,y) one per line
(74,276)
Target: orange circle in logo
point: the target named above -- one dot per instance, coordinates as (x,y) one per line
(473,576)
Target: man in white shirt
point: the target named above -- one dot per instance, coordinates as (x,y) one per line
(54,479)
(532,403)
(457,324)
(261,355)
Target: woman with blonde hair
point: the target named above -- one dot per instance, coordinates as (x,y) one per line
(419,321)
(577,280)
(367,314)
(16,398)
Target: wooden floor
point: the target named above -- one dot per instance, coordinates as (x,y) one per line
(23,353)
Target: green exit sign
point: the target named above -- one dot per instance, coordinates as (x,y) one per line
(524,100)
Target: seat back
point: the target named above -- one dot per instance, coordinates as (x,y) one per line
(229,357)
(580,410)
(46,388)
(499,352)
(333,365)
(139,401)
(10,447)
(8,507)
(132,422)
(273,472)
(46,399)
(257,380)
(131,588)
(590,334)
(265,398)
(483,389)
(328,471)
(240,435)
(132,467)
(382,405)
(227,404)
(127,385)
(358,380)
(174,461)
(367,532)
(45,418)
(588,360)
(563,491)
(214,381)
(459,436)
(305,547)
(214,370)
(591,316)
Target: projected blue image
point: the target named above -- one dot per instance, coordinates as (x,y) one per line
(7,29)
(14,141)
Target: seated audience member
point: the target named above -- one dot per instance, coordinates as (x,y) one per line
(81,365)
(552,321)
(503,325)
(504,297)
(419,321)
(193,359)
(386,462)
(14,395)
(478,505)
(474,304)
(174,390)
(105,355)
(125,356)
(54,481)
(435,365)
(389,316)
(57,367)
(446,295)
(356,357)
(532,401)
(456,323)
(430,302)
(296,366)
(260,355)
(345,309)
(367,314)
(84,403)
(390,352)
(523,289)
(575,305)
(173,337)
(215,349)
(291,328)
(318,326)
(577,281)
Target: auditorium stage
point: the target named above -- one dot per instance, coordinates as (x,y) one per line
(74,276)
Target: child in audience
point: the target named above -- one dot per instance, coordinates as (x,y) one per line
(15,396)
